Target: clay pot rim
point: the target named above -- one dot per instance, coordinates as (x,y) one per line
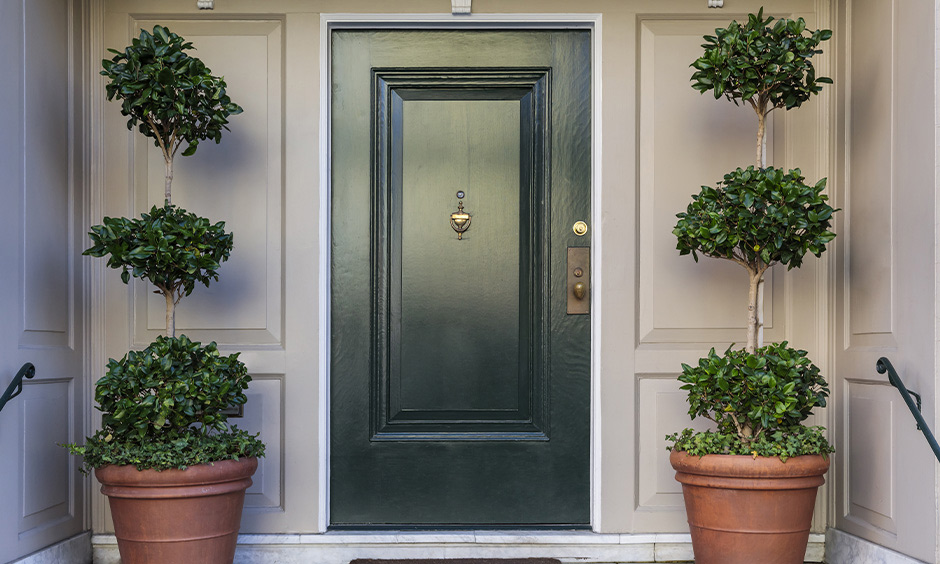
(745,466)
(212,472)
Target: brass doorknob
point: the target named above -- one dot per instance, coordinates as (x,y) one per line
(579,290)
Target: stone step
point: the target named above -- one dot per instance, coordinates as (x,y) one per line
(571,547)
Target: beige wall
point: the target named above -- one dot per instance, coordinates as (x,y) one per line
(661,140)
(885,284)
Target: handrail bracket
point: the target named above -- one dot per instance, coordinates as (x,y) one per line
(16,385)
(919,405)
(884,365)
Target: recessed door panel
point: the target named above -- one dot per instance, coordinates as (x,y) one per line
(459,331)
(461,309)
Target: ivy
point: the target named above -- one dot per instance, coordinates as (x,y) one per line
(190,448)
(783,443)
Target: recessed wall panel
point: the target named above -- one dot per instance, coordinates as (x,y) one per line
(688,140)
(662,410)
(238,181)
(870,495)
(46,471)
(46,304)
(870,195)
(263,414)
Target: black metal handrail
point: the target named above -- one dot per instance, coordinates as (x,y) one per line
(16,386)
(884,365)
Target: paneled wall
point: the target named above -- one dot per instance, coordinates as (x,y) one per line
(241,182)
(42,493)
(687,140)
(885,283)
(660,142)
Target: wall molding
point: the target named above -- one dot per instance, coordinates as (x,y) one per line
(92,208)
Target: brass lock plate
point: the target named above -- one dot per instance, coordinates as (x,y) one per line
(579,280)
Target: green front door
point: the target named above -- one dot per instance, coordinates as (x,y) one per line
(460,385)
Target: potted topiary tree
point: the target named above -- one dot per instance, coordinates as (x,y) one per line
(174,471)
(759,469)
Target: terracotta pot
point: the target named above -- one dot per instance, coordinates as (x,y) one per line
(743,510)
(190,515)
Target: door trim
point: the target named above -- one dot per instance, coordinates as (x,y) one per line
(331,22)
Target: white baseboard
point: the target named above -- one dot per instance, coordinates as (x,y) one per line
(568,546)
(843,548)
(76,550)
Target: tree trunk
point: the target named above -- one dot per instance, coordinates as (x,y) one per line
(170,313)
(169,179)
(760,312)
(753,311)
(760,139)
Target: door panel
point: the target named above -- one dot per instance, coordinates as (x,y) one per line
(884,473)
(459,386)
(41,306)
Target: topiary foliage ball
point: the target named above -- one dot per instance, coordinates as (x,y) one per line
(159,393)
(752,214)
(163,90)
(749,395)
(170,247)
(769,65)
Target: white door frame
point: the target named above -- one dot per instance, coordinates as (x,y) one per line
(330,22)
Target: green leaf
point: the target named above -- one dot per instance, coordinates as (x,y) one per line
(161,33)
(164,77)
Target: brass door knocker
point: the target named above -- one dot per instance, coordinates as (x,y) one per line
(460,220)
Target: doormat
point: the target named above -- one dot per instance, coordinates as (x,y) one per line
(458,561)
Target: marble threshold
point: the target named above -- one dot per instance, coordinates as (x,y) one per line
(339,547)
